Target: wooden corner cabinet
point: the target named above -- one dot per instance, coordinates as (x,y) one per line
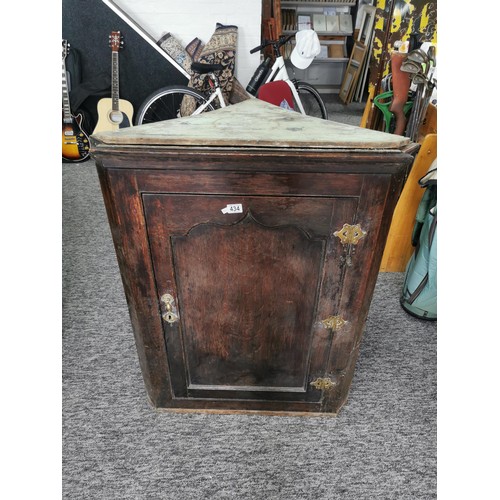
(249,241)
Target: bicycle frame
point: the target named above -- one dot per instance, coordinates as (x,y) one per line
(279,72)
(217,93)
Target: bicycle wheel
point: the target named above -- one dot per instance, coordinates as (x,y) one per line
(165,104)
(311,100)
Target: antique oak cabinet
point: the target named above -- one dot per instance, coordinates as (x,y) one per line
(249,241)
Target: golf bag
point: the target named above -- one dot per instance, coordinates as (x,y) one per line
(419,297)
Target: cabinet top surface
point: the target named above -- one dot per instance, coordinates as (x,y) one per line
(251,123)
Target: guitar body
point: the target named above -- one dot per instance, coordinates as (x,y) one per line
(109,119)
(75,141)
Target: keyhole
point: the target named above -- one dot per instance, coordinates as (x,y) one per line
(170,317)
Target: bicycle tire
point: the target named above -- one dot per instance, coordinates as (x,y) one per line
(165,104)
(311,100)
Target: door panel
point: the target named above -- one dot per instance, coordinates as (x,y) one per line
(247,287)
(253,328)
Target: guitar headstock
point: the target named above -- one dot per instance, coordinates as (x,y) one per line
(65,48)
(115,41)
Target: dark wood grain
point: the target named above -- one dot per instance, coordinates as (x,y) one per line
(124,209)
(253,329)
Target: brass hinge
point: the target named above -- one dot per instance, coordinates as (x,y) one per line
(323,384)
(350,235)
(333,323)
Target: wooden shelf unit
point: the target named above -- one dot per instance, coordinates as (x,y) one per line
(340,3)
(326,73)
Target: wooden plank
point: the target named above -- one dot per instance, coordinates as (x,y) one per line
(266,413)
(353,71)
(429,125)
(399,249)
(267,8)
(277,16)
(369,105)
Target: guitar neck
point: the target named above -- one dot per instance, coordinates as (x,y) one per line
(65,96)
(115,82)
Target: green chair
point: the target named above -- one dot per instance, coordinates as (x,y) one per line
(383,102)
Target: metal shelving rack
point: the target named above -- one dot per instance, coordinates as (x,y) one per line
(328,71)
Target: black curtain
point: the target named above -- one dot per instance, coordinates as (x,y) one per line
(86,25)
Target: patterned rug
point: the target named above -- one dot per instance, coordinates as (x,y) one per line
(220,49)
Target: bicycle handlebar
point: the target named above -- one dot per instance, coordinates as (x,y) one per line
(258,48)
(275,43)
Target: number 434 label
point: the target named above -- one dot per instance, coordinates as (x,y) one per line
(235,208)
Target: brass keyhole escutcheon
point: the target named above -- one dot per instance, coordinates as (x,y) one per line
(170,315)
(350,235)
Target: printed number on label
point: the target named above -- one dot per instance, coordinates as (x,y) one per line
(235,208)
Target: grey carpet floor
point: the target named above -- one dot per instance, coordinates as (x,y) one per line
(349,114)
(382,445)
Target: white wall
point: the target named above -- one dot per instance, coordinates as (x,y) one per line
(188,19)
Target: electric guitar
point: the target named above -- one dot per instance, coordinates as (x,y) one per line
(75,141)
(114,113)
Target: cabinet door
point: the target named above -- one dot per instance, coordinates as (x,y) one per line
(244,283)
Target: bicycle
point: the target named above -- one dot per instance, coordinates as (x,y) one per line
(165,103)
(306,98)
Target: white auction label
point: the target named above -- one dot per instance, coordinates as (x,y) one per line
(235,208)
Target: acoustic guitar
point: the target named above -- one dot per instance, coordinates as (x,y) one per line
(114,113)
(75,141)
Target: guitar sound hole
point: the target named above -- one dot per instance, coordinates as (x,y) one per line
(116,116)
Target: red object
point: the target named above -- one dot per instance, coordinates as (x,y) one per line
(400,86)
(275,93)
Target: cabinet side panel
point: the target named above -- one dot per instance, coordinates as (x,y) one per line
(126,220)
(378,199)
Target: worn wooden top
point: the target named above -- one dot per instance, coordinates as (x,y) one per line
(252,123)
